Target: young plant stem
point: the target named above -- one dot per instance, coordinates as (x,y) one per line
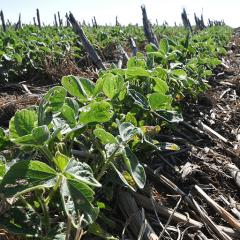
(54,190)
(66,212)
(98,147)
(107,162)
(44,207)
(30,207)
(27,204)
(39,187)
(46,152)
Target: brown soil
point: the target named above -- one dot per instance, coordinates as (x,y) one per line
(203,158)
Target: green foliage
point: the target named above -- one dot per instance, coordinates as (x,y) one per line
(30,50)
(33,174)
(84,135)
(81,88)
(95,112)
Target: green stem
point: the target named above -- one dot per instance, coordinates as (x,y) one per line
(107,162)
(46,152)
(30,207)
(45,212)
(54,190)
(39,187)
(66,211)
(27,204)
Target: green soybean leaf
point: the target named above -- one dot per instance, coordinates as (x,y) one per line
(38,136)
(72,103)
(137,61)
(96,112)
(77,197)
(69,115)
(160,73)
(122,177)
(127,131)
(61,161)
(3,139)
(156,56)
(135,168)
(164,46)
(130,117)
(137,72)
(123,93)
(139,99)
(88,86)
(181,74)
(162,146)
(44,116)
(26,174)
(22,123)
(151,48)
(117,71)
(104,136)
(31,170)
(2,169)
(78,87)
(73,86)
(18,58)
(161,86)
(110,148)
(170,116)
(159,101)
(60,125)
(99,86)
(54,99)
(112,85)
(214,62)
(80,171)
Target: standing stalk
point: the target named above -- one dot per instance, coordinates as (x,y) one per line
(59,19)
(38,19)
(55,20)
(87,45)
(3,21)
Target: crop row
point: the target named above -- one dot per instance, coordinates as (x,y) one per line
(33,53)
(63,160)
